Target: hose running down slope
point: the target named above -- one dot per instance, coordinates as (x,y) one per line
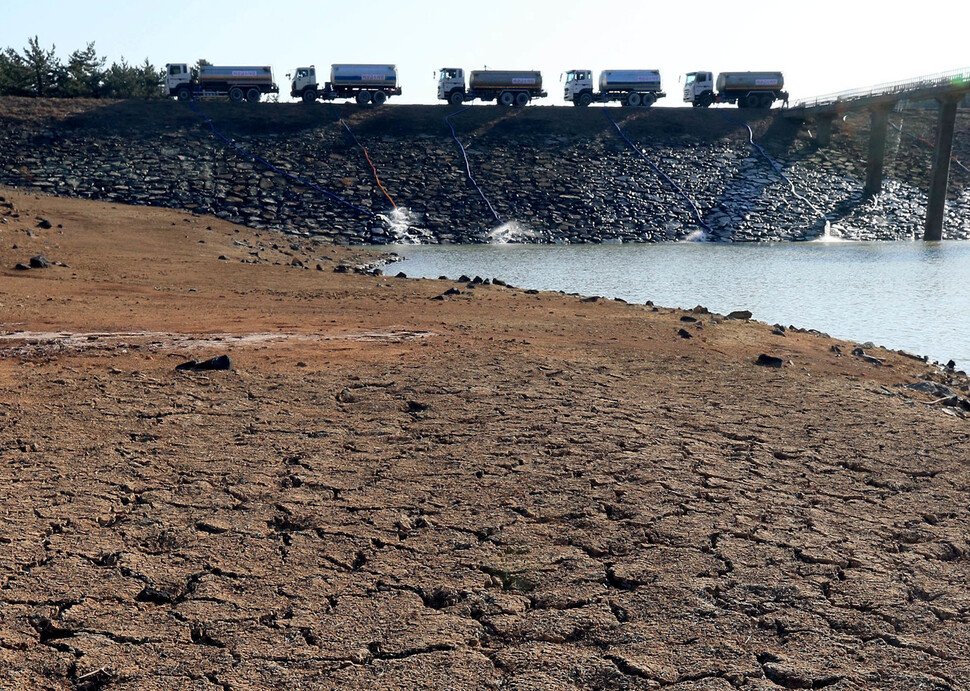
(468,168)
(690,202)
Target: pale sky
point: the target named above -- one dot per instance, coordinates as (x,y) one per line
(820,45)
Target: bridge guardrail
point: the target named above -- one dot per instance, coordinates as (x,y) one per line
(931,81)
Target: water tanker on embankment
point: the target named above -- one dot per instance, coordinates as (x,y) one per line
(237,83)
(505,87)
(632,88)
(364,83)
(747,89)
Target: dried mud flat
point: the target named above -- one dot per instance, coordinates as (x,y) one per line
(497,490)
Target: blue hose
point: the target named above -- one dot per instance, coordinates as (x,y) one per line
(775,166)
(690,202)
(269,165)
(468,168)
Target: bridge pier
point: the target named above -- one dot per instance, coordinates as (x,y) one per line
(878,121)
(824,124)
(933,228)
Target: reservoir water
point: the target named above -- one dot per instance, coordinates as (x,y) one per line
(912,296)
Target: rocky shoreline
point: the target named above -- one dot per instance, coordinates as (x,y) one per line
(556,175)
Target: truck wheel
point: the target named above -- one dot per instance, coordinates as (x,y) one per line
(707,100)
(506,98)
(584,99)
(379,98)
(633,99)
(363,98)
(183,94)
(522,99)
(236,95)
(647,100)
(253,95)
(456,98)
(309,96)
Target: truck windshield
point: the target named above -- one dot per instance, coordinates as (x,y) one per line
(690,78)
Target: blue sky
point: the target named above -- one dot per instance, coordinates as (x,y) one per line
(820,45)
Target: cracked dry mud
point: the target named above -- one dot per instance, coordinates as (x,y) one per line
(537,493)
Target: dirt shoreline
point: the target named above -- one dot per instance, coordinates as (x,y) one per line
(496,489)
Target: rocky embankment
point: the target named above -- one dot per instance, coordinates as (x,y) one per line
(560,174)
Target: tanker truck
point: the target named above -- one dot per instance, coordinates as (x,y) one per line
(506,87)
(364,83)
(216,81)
(630,87)
(747,89)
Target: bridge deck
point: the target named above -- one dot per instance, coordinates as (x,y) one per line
(951,84)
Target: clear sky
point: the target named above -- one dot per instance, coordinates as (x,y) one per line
(820,45)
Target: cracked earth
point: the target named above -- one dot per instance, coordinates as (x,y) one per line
(497,490)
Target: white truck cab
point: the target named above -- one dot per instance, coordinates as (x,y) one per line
(176,75)
(579,83)
(699,89)
(451,85)
(303,77)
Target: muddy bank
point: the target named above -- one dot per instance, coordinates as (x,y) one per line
(562,173)
(495,489)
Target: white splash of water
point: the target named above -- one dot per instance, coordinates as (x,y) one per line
(404,225)
(830,234)
(698,235)
(509,233)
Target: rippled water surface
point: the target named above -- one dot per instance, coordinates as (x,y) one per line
(914,296)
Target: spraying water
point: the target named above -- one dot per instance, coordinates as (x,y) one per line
(405,226)
(509,233)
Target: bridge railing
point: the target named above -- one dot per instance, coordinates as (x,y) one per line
(955,78)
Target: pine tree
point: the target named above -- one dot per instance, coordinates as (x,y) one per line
(44,69)
(83,74)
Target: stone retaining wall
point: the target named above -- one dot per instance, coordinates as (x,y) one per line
(560,174)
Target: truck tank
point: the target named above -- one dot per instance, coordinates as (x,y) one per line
(233,73)
(382,76)
(630,80)
(772,81)
(529,79)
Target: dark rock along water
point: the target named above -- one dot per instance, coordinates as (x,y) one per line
(905,295)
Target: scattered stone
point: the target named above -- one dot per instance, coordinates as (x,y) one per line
(739,314)
(769,361)
(346,396)
(21,267)
(417,407)
(400,274)
(222,362)
(688,319)
(40,262)
(45,224)
(684,333)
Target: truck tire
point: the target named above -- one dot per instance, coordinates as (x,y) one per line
(363,98)
(253,95)
(522,99)
(456,98)
(184,94)
(633,99)
(584,99)
(647,100)
(506,98)
(379,98)
(707,100)
(236,95)
(309,96)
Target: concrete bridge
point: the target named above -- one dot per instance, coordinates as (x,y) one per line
(948,88)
